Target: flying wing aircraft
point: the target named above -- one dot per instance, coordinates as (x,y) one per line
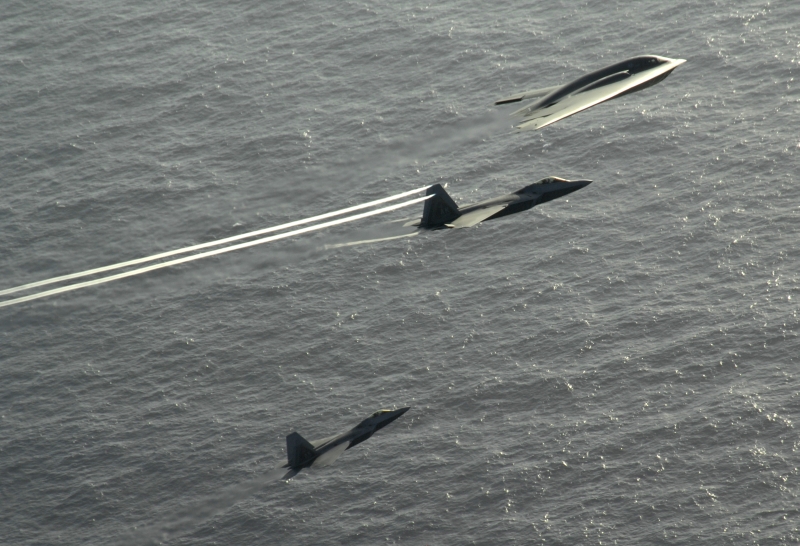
(442,212)
(561,101)
(320,453)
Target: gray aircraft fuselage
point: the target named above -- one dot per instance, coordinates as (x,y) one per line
(442,212)
(318,453)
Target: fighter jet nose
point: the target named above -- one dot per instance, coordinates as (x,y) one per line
(389,416)
(397,413)
(575,185)
(565,187)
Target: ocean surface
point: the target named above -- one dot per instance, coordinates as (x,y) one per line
(615,367)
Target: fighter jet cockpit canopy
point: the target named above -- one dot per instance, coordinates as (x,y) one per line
(551,180)
(380,412)
(536,187)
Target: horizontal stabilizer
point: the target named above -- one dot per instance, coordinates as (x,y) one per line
(299,450)
(475,217)
(331,455)
(527,95)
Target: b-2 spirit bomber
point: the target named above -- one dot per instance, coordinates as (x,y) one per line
(561,101)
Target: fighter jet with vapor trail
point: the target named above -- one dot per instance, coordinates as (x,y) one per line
(320,453)
(561,101)
(442,212)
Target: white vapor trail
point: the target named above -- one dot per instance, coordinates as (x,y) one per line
(369,241)
(208,244)
(231,248)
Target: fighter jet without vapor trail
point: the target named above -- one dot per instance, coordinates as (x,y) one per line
(319,453)
(561,101)
(442,212)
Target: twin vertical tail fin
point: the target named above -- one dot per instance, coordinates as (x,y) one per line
(439,210)
(299,450)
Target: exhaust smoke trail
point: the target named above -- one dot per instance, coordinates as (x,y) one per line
(231,248)
(374,234)
(368,241)
(200,246)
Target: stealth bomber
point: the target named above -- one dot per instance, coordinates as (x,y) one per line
(320,453)
(442,212)
(561,101)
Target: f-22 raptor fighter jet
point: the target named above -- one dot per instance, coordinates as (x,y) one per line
(442,212)
(561,101)
(319,453)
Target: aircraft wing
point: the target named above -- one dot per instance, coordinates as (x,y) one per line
(475,217)
(329,456)
(603,90)
(565,108)
(527,95)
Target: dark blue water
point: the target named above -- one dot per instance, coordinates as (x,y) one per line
(619,366)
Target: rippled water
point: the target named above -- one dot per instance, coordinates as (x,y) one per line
(618,366)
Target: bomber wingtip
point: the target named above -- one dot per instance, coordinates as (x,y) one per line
(507,101)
